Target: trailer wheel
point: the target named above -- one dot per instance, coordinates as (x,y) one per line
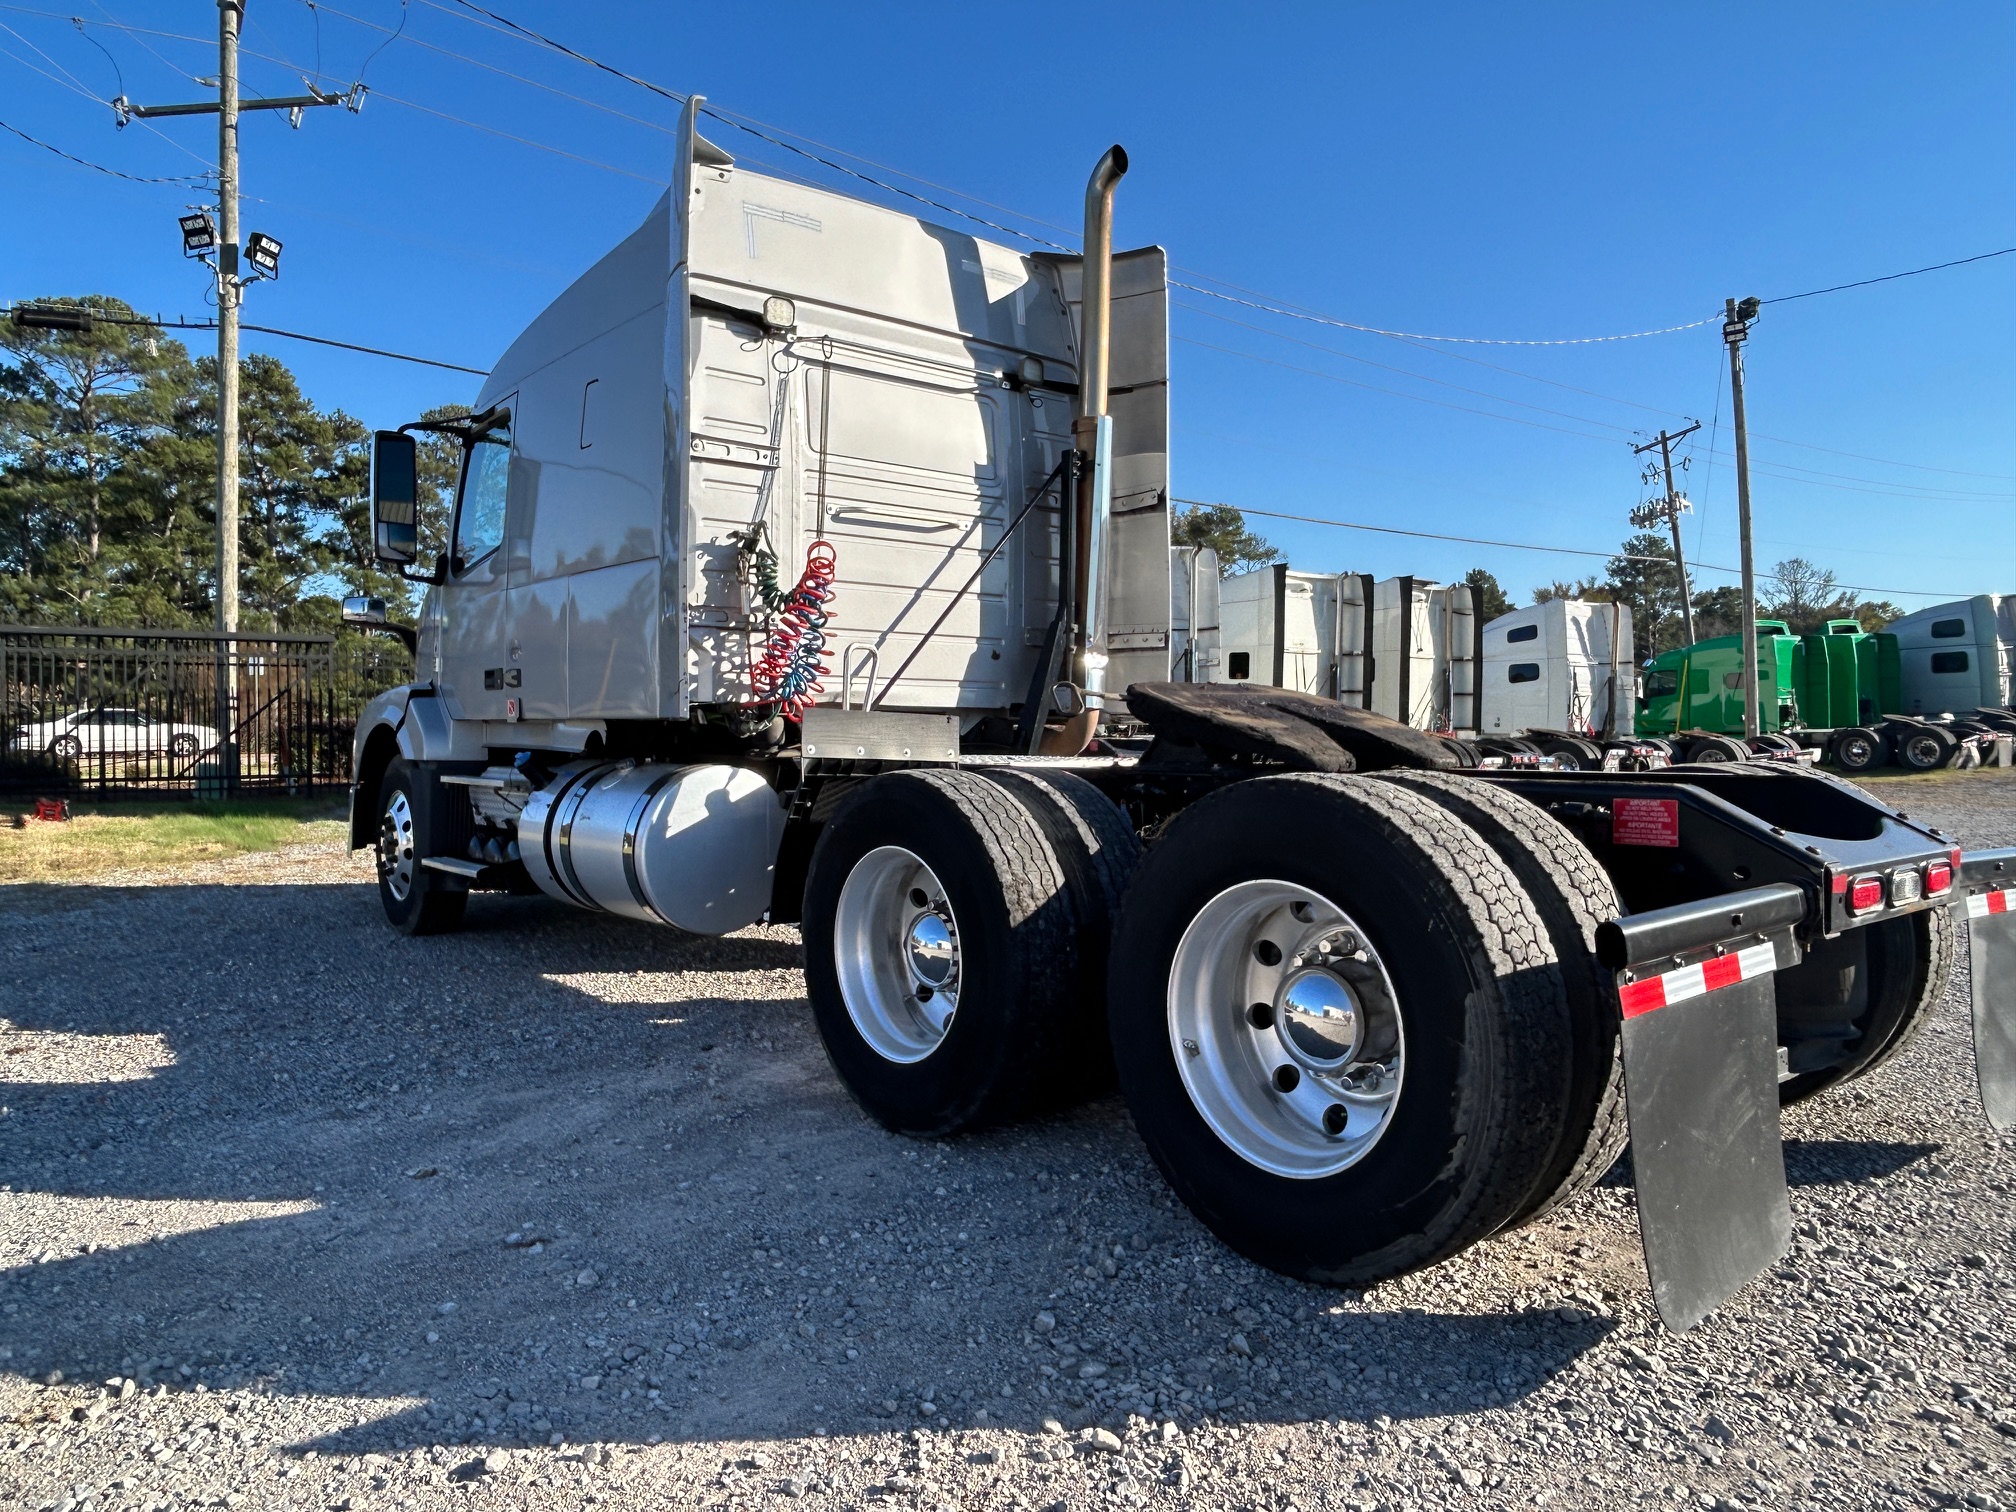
(940,951)
(1339,1025)
(1921,748)
(1910,962)
(1573,895)
(1099,851)
(1856,750)
(417,901)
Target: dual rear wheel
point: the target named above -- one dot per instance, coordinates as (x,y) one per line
(1356,1020)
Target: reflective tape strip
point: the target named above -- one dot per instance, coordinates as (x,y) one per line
(1980,905)
(1699,980)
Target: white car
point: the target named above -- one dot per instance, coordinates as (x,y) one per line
(109,731)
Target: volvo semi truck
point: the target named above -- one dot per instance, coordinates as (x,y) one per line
(810,563)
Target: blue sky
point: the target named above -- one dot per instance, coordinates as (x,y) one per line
(1531,173)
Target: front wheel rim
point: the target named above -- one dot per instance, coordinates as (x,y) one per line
(897,954)
(1286,1029)
(395,846)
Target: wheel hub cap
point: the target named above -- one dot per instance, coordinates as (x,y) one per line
(1319,1019)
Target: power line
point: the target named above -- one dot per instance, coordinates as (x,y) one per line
(186,180)
(1349,325)
(1863,283)
(623,115)
(1881,487)
(98,318)
(1581,551)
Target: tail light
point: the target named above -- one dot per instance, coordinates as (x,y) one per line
(1865,893)
(1938,878)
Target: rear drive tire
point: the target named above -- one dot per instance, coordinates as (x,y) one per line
(417,901)
(1339,1025)
(1717,749)
(1575,755)
(1099,851)
(1856,750)
(1921,748)
(1573,895)
(934,885)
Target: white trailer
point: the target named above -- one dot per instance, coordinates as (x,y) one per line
(1562,667)
(1958,657)
(799,551)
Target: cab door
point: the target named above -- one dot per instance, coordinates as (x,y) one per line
(477,671)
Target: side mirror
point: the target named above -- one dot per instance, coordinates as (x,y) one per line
(368,613)
(395,498)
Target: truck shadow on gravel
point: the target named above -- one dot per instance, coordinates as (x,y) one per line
(557,1176)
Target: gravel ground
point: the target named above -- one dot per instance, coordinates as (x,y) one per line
(564,1212)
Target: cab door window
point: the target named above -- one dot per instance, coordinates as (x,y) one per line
(479,513)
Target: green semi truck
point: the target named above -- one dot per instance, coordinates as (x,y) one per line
(1838,692)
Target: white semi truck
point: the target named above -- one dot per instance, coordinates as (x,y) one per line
(810,563)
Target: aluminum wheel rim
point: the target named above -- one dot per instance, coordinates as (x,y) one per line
(1286,1029)
(395,846)
(896,949)
(1924,750)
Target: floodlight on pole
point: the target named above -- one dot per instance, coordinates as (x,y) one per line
(199,234)
(263,253)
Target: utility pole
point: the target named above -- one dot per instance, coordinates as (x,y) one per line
(262,253)
(1671,510)
(1736,320)
(230,16)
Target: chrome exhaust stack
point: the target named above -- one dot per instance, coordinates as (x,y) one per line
(1092,434)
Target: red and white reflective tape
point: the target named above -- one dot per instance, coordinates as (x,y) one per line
(1699,980)
(2001,900)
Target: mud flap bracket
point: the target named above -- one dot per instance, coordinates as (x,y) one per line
(1700,1037)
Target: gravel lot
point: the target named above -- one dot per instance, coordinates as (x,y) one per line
(564,1212)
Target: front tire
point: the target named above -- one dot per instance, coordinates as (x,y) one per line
(417,901)
(941,952)
(1339,1025)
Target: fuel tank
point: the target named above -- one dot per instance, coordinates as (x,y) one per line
(694,847)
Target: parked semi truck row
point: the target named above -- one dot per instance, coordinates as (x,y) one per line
(811,563)
(1929,689)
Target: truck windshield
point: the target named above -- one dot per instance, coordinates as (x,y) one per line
(479,521)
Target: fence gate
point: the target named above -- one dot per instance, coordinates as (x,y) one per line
(194,712)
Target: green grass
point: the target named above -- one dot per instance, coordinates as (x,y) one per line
(109,837)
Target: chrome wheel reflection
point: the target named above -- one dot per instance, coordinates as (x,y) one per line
(896,949)
(1286,1029)
(395,846)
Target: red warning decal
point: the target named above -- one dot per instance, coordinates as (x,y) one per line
(1645,821)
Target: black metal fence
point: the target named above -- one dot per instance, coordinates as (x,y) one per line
(190,712)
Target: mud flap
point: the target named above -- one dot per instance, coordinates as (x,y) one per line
(1700,1033)
(1991,953)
